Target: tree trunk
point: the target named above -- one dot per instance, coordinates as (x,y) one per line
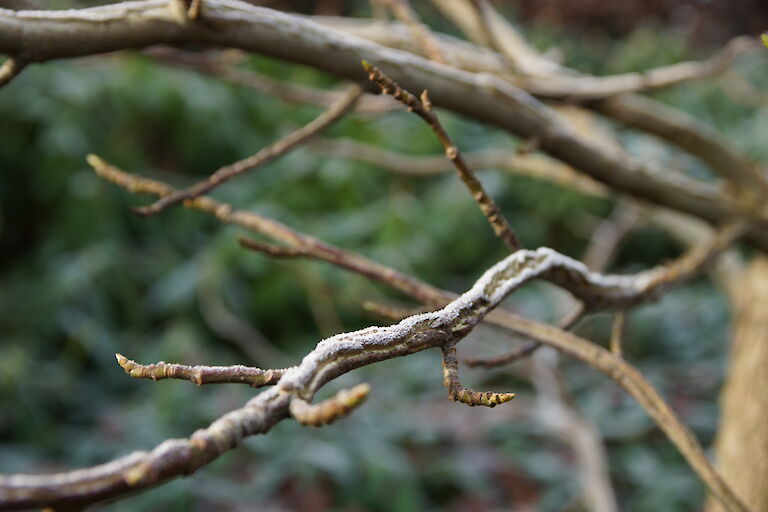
(742,441)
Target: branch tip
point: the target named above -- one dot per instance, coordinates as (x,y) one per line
(330,410)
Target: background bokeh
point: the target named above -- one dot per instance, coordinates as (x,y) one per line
(81,278)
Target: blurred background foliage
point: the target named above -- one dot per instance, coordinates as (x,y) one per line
(81,278)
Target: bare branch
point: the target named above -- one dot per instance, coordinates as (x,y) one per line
(279,148)
(221,67)
(10,69)
(597,291)
(389,312)
(315,248)
(510,357)
(566,324)
(200,375)
(328,411)
(691,135)
(586,87)
(610,235)
(617,333)
(274,251)
(481,96)
(458,393)
(423,109)
(405,13)
(514,162)
(338,355)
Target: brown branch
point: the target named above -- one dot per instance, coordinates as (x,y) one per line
(458,393)
(423,109)
(509,357)
(331,358)
(279,148)
(689,134)
(586,87)
(617,333)
(274,251)
(480,96)
(330,410)
(195,6)
(389,312)
(527,350)
(221,67)
(484,13)
(514,162)
(421,34)
(10,69)
(316,249)
(597,291)
(609,236)
(200,375)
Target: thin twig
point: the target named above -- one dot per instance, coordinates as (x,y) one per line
(609,236)
(533,165)
(596,291)
(330,410)
(11,69)
(423,108)
(458,393)
(421,34)
(617,333)
(221,66)
(567,323)
(279,148)
(200,375)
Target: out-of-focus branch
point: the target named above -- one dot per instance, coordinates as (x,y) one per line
(586,87)
(279,148)
(638,112)
(566,324)
(609,235)
(231,327)
(691,135)
(10,69)
(538,75)
(481,96)
(556,412)
(222,67)
(617,333)
(200,375)
(533,165)
(488,28)
(423,108)
(597,291)
(405,13)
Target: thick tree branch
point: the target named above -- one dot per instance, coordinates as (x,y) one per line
(480,96)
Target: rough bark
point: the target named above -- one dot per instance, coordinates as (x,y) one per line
(742,441)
